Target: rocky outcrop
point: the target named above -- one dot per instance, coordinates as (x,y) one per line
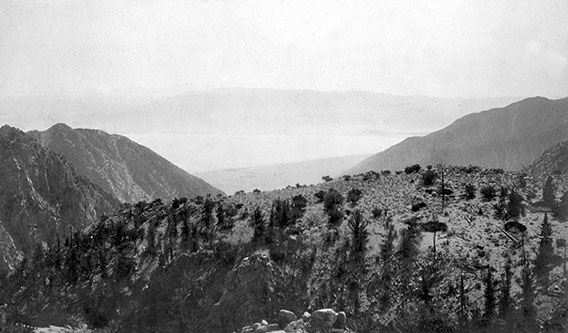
(129,171)
(509,138)
(41,196)
(320,321)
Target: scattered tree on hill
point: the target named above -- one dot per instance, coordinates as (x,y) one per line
(429,177)
(527,307)
(332,203)
(545,253)
(326,179)
(299,204)
(258,226)
(434,227)
(489,296)
(412,169)
(359,235)
(548,193)
(515,206)
(354,195)
(505,300)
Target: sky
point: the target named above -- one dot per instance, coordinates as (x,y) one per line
(143,49)
(431,48)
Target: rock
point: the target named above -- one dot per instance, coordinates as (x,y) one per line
(272,328)
(306,316)
(297,326)
(264,323)
(285,317)
(323,318)
(247,329)
(341,320)
(256,325)
(261,329)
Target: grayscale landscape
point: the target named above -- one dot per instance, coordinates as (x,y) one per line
(283,166)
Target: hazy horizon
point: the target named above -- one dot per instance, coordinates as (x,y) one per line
(129,67)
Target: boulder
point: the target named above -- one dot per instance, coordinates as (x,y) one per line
(272,328)
(306,316)
(323,318)
(261,329)
(247,329)
(285,317)
(264,323)
(297,326)
(341,320)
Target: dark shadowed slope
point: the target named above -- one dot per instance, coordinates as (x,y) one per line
(41,196)
(554,160)
(120,166)
(510,138)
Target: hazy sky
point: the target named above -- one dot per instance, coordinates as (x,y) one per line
(435,48)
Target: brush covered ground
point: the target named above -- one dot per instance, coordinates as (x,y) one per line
(358,244)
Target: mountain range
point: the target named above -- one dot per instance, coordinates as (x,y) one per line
(510,138)
(127,170)
(273,126)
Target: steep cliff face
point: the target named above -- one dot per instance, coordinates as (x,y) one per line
(553,160)
(127,170)
(41,196)
(509,138)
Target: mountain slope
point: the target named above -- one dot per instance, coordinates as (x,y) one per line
(509,138)
(120,166)
(41,196)
(553,160)
(271,177)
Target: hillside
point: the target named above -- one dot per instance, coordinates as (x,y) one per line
(222,264)
(129,171)
(510,138)
(553,160)
(41,197)
(271,177)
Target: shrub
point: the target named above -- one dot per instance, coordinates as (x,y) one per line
(470,191)
(412,169)
(354,195)
(319,196)
(326,178)
(488,192)
(429,177)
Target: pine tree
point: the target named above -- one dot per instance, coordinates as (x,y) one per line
(489,296)
(545,252)
(359,235)
(548,193)
(527,307)
(258,226)
(505,296)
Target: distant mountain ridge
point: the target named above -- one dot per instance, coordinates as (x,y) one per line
(129,171)
(553,160)
(511,138)
(42,197)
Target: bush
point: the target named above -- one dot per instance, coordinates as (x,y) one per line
(326,178)
(470,191)
(429,177)
(488,192)
(412,169)
(354,195)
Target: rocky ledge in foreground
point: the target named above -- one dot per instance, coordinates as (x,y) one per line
(320,321)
